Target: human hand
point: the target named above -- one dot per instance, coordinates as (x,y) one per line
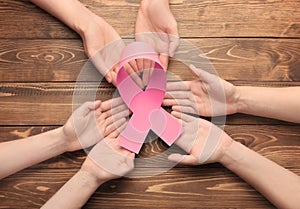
(208,96)
(156,25)
(92,122)
(205,142)
(104,46)
(107,160)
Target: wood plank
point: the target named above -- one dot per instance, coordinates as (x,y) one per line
(260,18)
(192,185)
(279,143)
(52,103)
(178,187)
(234,59)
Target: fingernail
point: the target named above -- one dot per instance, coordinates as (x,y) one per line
(108,78)
(192,66)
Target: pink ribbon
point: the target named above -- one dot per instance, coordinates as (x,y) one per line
(145,105)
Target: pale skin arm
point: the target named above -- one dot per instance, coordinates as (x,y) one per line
(279,185)
(94,121)
(94,172)
(278,103)
(19,154)
(71,12)
(96,33)
(70,197)
(210,95)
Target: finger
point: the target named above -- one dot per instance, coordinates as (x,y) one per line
(108,104)
(116,109)
(177,102)
(185,109)
(136,78)
(114,78)
(203,75)
(118,116)
(131,155)
(178,95)
(133,74)
(146,71)
(112,127)
(152,65)
(182,116)
(139,63)
(174,43)
(97,104)
(126,166)
(164,59)
(183,159)
(114,134)
(108,77)
(84,109)
(178,86)
(146,76)
(133,65)
(169,102)
(122,127)
(146,64)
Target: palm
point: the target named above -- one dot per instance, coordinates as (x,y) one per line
(91,122)
(107,160)
(203,141)
(99,39)
(214,98)
(208,96)
(156,26)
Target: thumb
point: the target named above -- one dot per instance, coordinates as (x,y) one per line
(164,59)
(201,74)
(84,109)
(183,159)
(174,43)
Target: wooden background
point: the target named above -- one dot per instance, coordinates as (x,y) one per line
(249,43)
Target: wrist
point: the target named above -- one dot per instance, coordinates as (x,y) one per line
(89,179)
(241,99)
(95,171)
(146,4)
(224,145)
(232,155)
(85,21)
(61,138)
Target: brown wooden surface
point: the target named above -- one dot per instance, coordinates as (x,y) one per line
(249,43)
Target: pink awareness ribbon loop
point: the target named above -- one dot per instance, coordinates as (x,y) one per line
(145,105)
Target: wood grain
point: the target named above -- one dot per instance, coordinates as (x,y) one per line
(260,18)
(199,186)
(53,103)
(279,143)
(248,42)
(193,186)
(233,59)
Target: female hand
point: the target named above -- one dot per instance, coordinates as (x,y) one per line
(93,121)
(156,25)
(107,160)
(208,96)
(205,142)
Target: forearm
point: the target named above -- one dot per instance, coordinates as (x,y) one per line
(279,185)
(71,12)
(19,154)
(75,193)
(278,103)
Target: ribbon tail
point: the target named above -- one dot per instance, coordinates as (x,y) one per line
(131,138)
(165,126)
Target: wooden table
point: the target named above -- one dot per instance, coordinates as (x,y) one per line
(255,43)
